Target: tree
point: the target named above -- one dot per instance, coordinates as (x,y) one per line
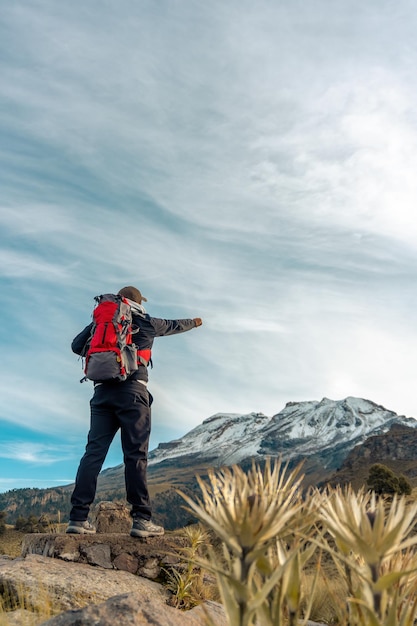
(20,523)
(2,522)
(382,480)
(32,524)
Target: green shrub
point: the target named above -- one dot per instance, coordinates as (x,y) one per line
(33,524)
(382,480)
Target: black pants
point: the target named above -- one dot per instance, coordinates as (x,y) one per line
(125,405)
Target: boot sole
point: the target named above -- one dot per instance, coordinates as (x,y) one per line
(79,531)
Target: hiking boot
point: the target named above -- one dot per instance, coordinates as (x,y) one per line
(80,528)
(145,528)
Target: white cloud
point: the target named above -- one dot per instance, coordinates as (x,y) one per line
(28,265)
(250,165)
(35,453)
(45,403)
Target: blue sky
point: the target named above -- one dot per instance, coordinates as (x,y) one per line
(249,163)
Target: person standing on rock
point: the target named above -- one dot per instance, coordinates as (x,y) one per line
(124,405)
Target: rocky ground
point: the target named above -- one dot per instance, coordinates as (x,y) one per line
(106,578)
(103,579)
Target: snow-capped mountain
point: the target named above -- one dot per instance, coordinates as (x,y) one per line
(327,429)
(337,440)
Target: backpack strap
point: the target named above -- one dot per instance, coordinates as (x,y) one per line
(144,356)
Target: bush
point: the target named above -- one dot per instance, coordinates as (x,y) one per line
(382,480)
(405,486)
(33,524)
(2,522)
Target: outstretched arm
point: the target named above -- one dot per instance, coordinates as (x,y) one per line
(173,327)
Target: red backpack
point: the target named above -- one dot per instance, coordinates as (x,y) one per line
(111,353)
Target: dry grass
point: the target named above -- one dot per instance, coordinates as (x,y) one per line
(329,596)
(11,542)
(17,608)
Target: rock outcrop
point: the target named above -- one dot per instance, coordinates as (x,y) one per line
(397,449)
(70,585)
(110,551)
(134,610)
(112,517)
(83,595)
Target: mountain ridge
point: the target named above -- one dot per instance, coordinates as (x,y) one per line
(329,427)
(322,434)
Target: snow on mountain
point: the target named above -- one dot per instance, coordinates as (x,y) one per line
(315,426)
(224,435)
(300,429)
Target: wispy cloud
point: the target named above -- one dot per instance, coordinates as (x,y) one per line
(25,265)
(250,165)
(35,453)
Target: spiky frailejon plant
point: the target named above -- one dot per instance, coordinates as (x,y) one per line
(373,541)
(186,580)
(252,513)
(284,601)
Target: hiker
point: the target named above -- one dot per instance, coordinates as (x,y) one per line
(124,404)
